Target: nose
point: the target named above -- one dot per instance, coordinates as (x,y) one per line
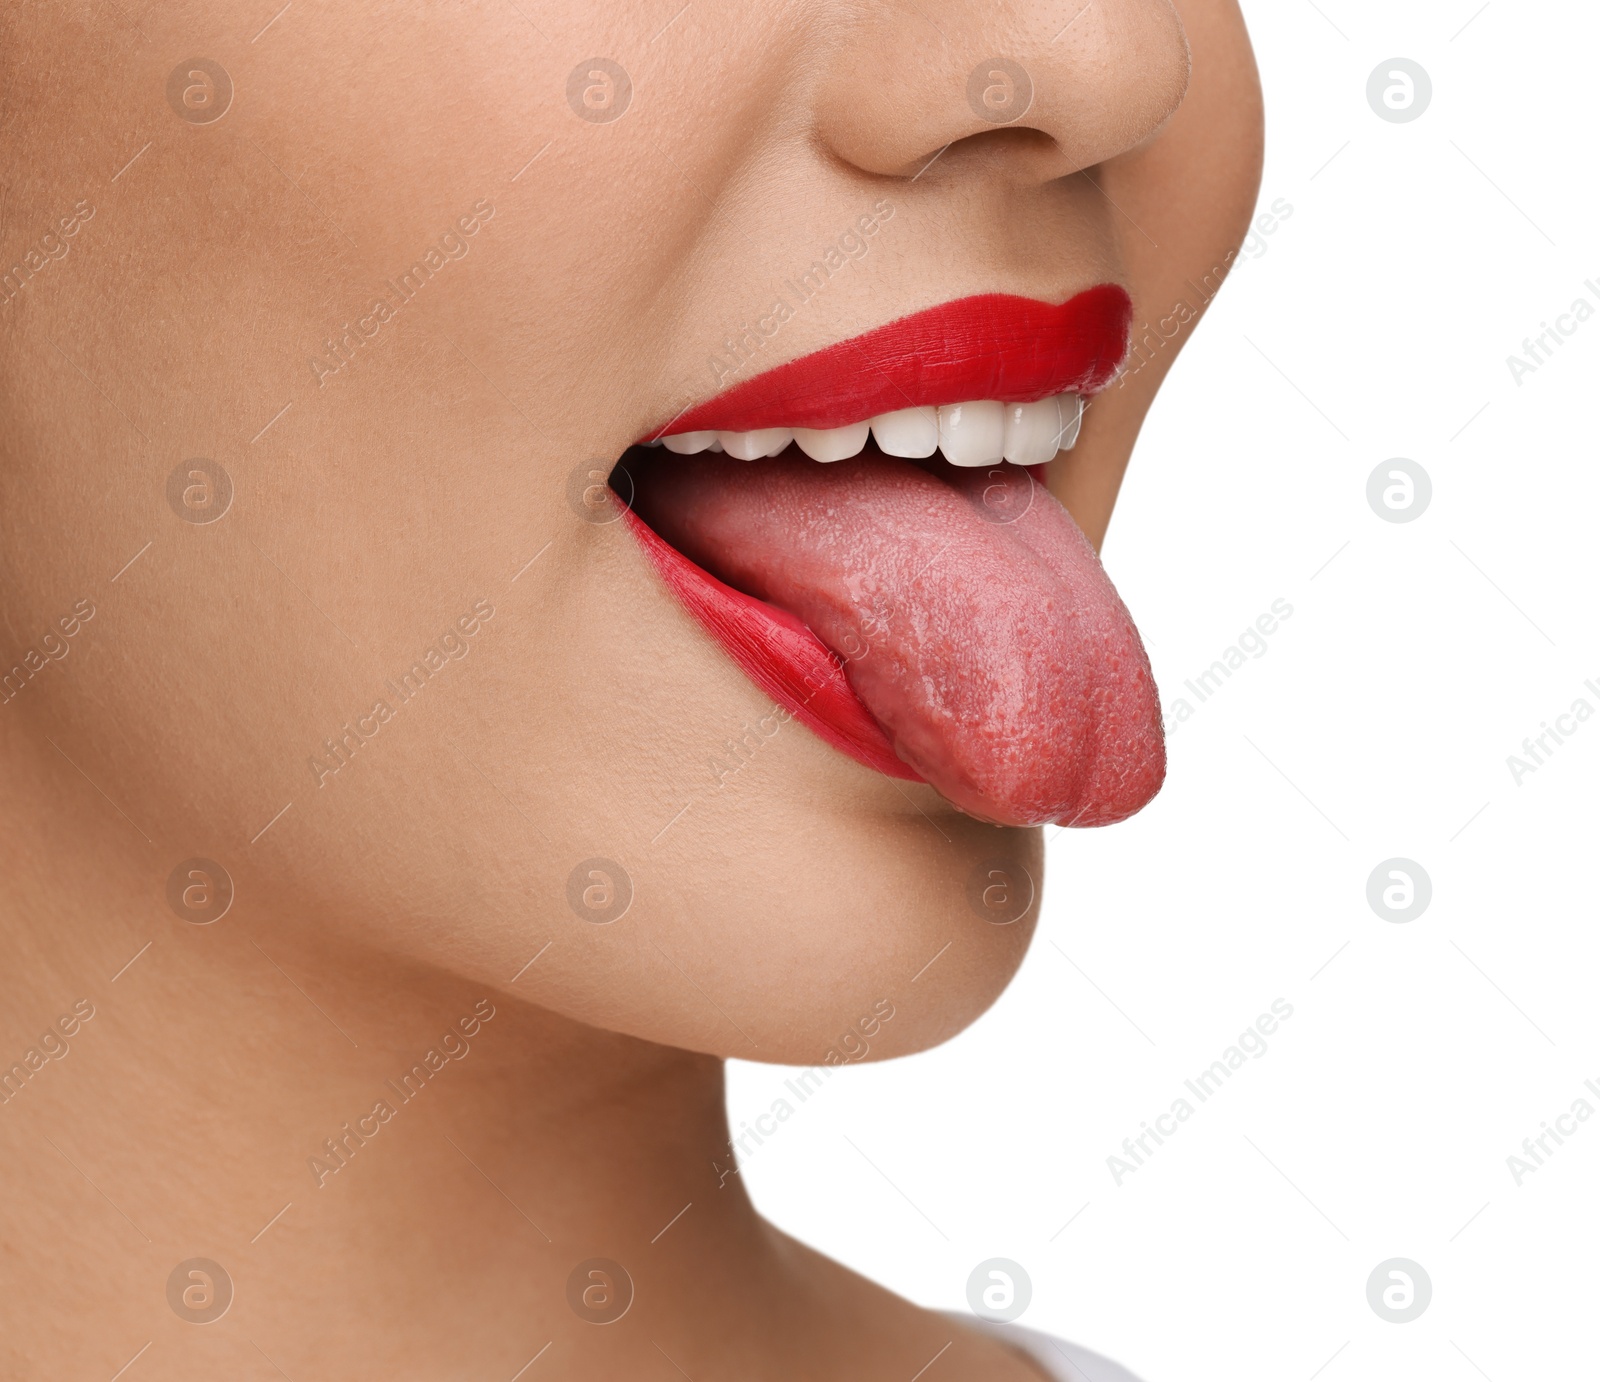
(1042,89)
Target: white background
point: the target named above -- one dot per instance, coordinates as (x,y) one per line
(1375,323)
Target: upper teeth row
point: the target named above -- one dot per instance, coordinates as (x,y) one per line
(970,434)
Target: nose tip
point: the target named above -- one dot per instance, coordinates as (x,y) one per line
(1048,89)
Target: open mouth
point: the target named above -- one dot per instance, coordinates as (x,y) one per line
(861,531)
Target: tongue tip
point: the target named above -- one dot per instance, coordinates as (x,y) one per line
(1107,797)
(1104,813)
(1131,792)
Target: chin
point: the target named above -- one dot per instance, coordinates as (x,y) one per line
(856,938)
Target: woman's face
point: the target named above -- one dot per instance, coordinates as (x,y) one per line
(395,312)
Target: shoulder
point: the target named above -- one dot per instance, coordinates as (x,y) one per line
(1056,1358)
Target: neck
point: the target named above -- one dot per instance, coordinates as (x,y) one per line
(384,1170)
(360,1144)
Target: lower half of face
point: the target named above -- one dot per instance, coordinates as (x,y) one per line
(535,526)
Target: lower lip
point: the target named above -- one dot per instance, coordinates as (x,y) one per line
(778,653)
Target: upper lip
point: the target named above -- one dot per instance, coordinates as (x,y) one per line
(990,346)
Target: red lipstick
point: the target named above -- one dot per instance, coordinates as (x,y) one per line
(942,623)
(779,653)
(1011,349)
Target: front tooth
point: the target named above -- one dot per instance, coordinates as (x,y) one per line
(1032,432)
(688,443)
(909,432)
(1071,418)
(972,434)
(832,443)
(751,446)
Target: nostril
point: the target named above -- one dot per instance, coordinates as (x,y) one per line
(1018,147)
(1062,96)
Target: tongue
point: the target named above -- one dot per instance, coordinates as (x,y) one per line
(970,615)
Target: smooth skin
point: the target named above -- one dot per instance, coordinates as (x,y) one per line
(382,502)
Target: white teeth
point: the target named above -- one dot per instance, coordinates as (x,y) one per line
(909,432)
(752,446)
(1032,431)
(972,434)
(687,443)
(1071,418)
(981,432)
(832,443)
